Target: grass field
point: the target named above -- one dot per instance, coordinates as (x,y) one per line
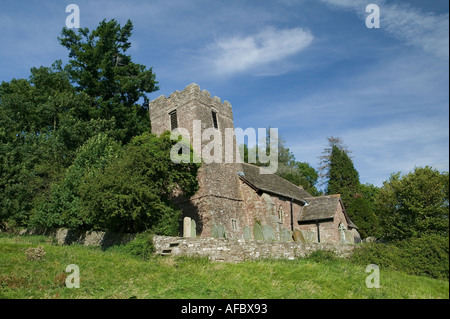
(115,274)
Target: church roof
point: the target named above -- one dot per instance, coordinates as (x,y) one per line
(271,183)
(322,208)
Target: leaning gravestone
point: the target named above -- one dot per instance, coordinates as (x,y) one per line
(298,236)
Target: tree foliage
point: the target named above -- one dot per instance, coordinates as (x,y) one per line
(342,178)
(100,67)
(414,204)
(133,192)
(45,119)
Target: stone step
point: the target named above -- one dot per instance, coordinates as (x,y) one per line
(165,254)
(174,244)
(167,251)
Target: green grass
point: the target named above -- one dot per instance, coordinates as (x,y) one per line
(116,274)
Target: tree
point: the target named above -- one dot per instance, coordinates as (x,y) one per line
(342,178)
(362,211)
(325,158)
(100,68)
(62,207)
(414,204)
(45,119)
(133,192)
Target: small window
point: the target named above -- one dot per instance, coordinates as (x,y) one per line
(233,224)
(214,117)
(173,120)
(280,214)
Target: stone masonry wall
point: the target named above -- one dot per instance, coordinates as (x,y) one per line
(236,250)
(215,249)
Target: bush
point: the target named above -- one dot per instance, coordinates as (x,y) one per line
(427,255)
(142,246)
(322,255)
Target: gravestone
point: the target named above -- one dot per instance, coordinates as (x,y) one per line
(187,227)
(268,233)
(298,236)
(218,231)
(247,233)
(193,228)
(258,232)
(342,234)
(285,234)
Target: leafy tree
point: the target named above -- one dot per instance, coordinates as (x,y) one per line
(414,204)
(63,206)
(133,192)
(46,118)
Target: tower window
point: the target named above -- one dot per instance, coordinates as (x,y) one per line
(234,224)
(214,117)
(173,120)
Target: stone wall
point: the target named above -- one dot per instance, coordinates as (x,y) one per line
(215,249)
(89,238)
(235,250)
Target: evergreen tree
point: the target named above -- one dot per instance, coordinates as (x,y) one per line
(342,178)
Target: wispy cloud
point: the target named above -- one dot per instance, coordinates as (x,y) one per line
(242,53)
(426,30)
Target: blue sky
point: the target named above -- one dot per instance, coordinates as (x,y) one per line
(310,68)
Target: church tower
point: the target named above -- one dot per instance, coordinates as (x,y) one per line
(217,207)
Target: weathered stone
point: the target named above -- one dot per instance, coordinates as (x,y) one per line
(218,231)
(235,250)
(258,232)
(268,233)
(285,234)
(298,236)
(187,227)
(193,228)
(247,233)
(309,236)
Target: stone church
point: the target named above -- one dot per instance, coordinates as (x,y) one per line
(235,200)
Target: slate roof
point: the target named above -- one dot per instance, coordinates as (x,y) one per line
(322,208)
(271,183)
(319,208)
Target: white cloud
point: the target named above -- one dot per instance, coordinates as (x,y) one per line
(242,53)
(428,31)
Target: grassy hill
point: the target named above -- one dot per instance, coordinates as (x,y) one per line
(116,274)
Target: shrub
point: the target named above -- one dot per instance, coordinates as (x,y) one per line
(322,255)
(142,246)
(427,255)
